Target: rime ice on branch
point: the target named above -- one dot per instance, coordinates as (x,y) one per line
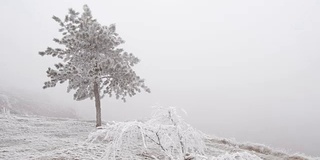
(93,64)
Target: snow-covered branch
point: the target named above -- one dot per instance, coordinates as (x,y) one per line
(163,135)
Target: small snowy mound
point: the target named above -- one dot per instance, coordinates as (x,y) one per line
(237,156)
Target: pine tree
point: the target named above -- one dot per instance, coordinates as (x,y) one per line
(93,64)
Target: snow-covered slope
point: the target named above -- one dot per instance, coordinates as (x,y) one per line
(43,138)
(25,104)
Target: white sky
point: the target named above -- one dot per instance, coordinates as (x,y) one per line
(242,69)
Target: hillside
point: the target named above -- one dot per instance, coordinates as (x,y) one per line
(45,138)
(24,103)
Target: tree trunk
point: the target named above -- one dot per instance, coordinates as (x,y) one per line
(97,101)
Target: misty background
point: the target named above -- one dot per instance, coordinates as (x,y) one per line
(247,70)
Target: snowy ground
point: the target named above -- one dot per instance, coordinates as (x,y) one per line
(40,137)
(43,138)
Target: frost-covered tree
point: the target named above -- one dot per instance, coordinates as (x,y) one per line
(92,63)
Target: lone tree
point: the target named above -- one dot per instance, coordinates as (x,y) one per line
(92,63)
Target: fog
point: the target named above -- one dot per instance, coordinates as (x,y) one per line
(247,70)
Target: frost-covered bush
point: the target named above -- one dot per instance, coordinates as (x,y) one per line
(164,136)
(6,113)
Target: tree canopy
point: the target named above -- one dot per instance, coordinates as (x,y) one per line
(91,55)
